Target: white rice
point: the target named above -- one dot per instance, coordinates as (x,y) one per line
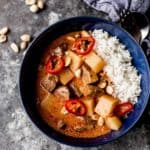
(124,76)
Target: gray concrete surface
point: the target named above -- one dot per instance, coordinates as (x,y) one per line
(16,130)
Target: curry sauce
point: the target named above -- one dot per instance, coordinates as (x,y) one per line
(75,75)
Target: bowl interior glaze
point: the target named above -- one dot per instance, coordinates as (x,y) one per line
(32,58)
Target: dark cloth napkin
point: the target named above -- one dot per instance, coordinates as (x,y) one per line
(114,7)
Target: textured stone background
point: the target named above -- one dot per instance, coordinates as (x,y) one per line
(16,130)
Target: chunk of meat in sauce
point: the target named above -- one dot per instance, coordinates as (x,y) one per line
(49,82)
(88,76)
(64,46)
(75,89)
(62,93)
(90,123)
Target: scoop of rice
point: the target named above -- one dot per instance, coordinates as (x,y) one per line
(125,78)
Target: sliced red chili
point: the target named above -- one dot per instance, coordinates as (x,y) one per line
(75,107)
(54,65)
(122,109)
(84,45)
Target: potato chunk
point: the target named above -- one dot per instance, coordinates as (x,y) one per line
(113,122)
(106,105)
(47,102)
(76,61)
(65,76)
(89,103)
(95,62)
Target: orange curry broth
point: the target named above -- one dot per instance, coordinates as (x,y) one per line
(53,114)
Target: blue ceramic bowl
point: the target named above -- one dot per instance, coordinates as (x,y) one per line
(31,61)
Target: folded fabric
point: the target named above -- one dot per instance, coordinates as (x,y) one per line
(114,7)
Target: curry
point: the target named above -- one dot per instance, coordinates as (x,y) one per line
(74,94)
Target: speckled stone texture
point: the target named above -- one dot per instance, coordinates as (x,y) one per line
(16,130)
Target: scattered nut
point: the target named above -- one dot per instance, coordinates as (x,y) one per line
(109,89)
(100,121)
(14,47)
(3,38)
(35,5)
(78,73)
(40,4)
(23,45)
(34,8)
(67,60)
(25,37)
(102,84)
(30,2)
(4,31)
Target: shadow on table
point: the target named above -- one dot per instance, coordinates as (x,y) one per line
(145,119)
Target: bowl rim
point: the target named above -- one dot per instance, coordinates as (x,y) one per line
(21,69)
